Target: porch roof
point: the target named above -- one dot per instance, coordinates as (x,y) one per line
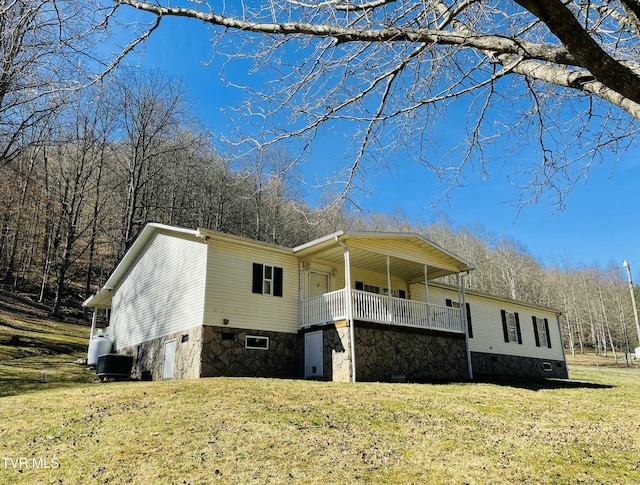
(409,253)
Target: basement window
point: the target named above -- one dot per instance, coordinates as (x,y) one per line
(256,343)
(547,366)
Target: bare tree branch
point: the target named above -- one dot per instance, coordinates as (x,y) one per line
(390,71)
(588,53)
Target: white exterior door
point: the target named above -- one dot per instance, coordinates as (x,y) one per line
(318,283)
(313,354)
(169,359)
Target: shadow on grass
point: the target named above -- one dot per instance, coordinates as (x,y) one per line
(532,384)
(19,377)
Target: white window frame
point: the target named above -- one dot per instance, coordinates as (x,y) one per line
(512,330)
(267,281)
(256,338)
(542,332)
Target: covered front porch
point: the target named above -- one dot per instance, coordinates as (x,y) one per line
(370,307)
(379,278)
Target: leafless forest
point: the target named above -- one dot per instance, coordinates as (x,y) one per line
(115,159)
(87,160)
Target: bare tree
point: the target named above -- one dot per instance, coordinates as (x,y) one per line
(47,50)
(561,74)
(77,163)
(152,111)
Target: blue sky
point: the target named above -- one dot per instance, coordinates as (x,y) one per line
(599,224)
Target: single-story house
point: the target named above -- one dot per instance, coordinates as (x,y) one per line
(350,306)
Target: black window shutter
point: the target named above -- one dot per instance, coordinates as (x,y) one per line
(546,327)
(535,331)
(258,275)
(277,281)
(449,302)
(469,326)
(359,285)
(505,330)
(518,328)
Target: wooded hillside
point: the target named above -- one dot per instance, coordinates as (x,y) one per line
(88,178)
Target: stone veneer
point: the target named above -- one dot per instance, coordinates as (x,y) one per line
(401,354)
(148,356)
(406,354)
(490,365)
(224,354)
(382,354)
(337,353)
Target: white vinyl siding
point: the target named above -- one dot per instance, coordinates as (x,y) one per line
(376,280)
(488,333)
(162,293)
(229,293)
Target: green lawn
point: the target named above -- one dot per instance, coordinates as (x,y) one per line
(31,343)
(279,431)
(77,431)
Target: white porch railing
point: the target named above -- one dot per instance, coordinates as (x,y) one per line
(323,309)
(375,308)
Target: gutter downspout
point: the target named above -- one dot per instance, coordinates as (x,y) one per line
(463,314)
(349,307)
(564,354)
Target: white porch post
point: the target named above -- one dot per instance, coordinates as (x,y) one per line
(389,297)
(463,317)
(349,308)
(93,324)
(301,314)
(426,290)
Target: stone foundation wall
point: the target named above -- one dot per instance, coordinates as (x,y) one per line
(337,353)
(385,355)
(148,356)
(488,365)
(408,355)
(224,354)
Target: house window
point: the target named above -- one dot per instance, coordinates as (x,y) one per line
(395,293)
(368,288)
(453,304)
(456,304)
(256,343)
(511,327)
(541,332)
(267,280)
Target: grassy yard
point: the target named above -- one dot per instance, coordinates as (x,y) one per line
(219,430)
